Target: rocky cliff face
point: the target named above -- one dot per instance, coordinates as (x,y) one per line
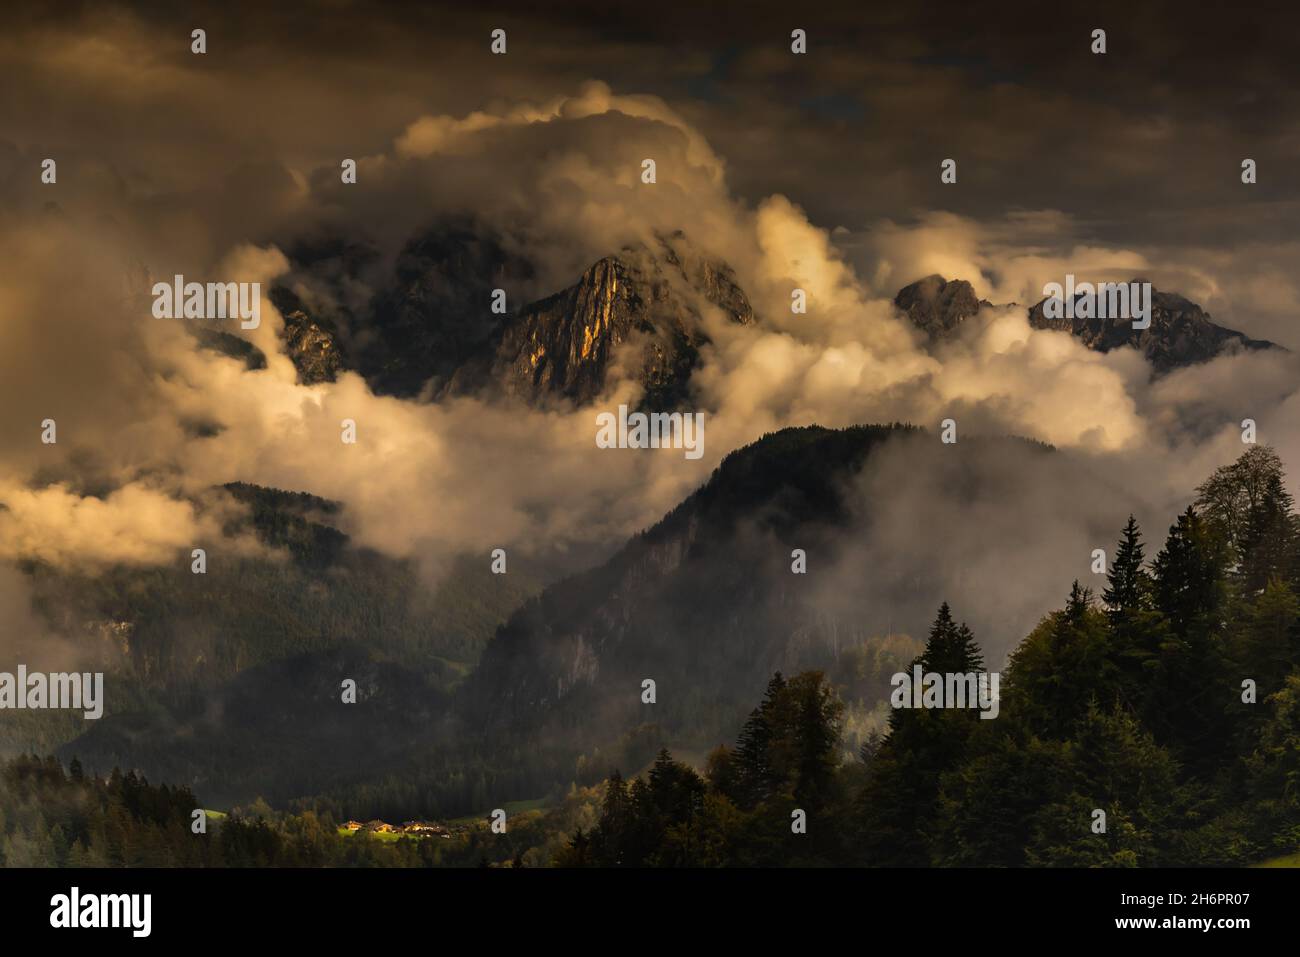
(938,306)
(312,349)
(312,344)
(640,307)
(429,328)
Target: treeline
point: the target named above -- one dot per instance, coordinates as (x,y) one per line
(743,810)
(1156,724)
(52,817)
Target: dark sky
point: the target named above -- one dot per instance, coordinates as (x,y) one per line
(1146,139)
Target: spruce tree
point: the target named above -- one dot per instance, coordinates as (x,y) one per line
(1128,586)
(816,734)
(754,774)
(950,647)
(898,805)
(1135,632)
(611,834)
(1078,604)
(1189,586)
(1189,693)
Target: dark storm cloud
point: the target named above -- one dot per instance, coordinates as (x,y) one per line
(1143,143)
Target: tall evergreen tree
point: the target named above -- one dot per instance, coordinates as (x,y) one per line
(898,805)
(950,648)
(1066,662)
(816,734)
(1189,575)
(1134,623)
(1190,689)
(754,775)
(611,836)
(1078,604)
(1128,586)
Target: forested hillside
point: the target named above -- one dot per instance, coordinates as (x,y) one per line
(228,681)
(1170,702)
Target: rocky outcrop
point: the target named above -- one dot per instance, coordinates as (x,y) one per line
(311,343)
(936,306)
(1181,333)
(312,349)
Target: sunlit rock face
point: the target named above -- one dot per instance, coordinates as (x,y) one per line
(641,307)
(312,349)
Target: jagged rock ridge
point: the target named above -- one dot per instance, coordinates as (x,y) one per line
(311,345)
(938,306)
(429,329)
(1181,332)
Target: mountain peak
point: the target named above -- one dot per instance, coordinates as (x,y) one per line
(938,306)
(646,296)
(1181,333)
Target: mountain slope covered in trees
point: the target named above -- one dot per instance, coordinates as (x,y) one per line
(1171,706)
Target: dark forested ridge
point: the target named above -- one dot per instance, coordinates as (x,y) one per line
(704,602)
